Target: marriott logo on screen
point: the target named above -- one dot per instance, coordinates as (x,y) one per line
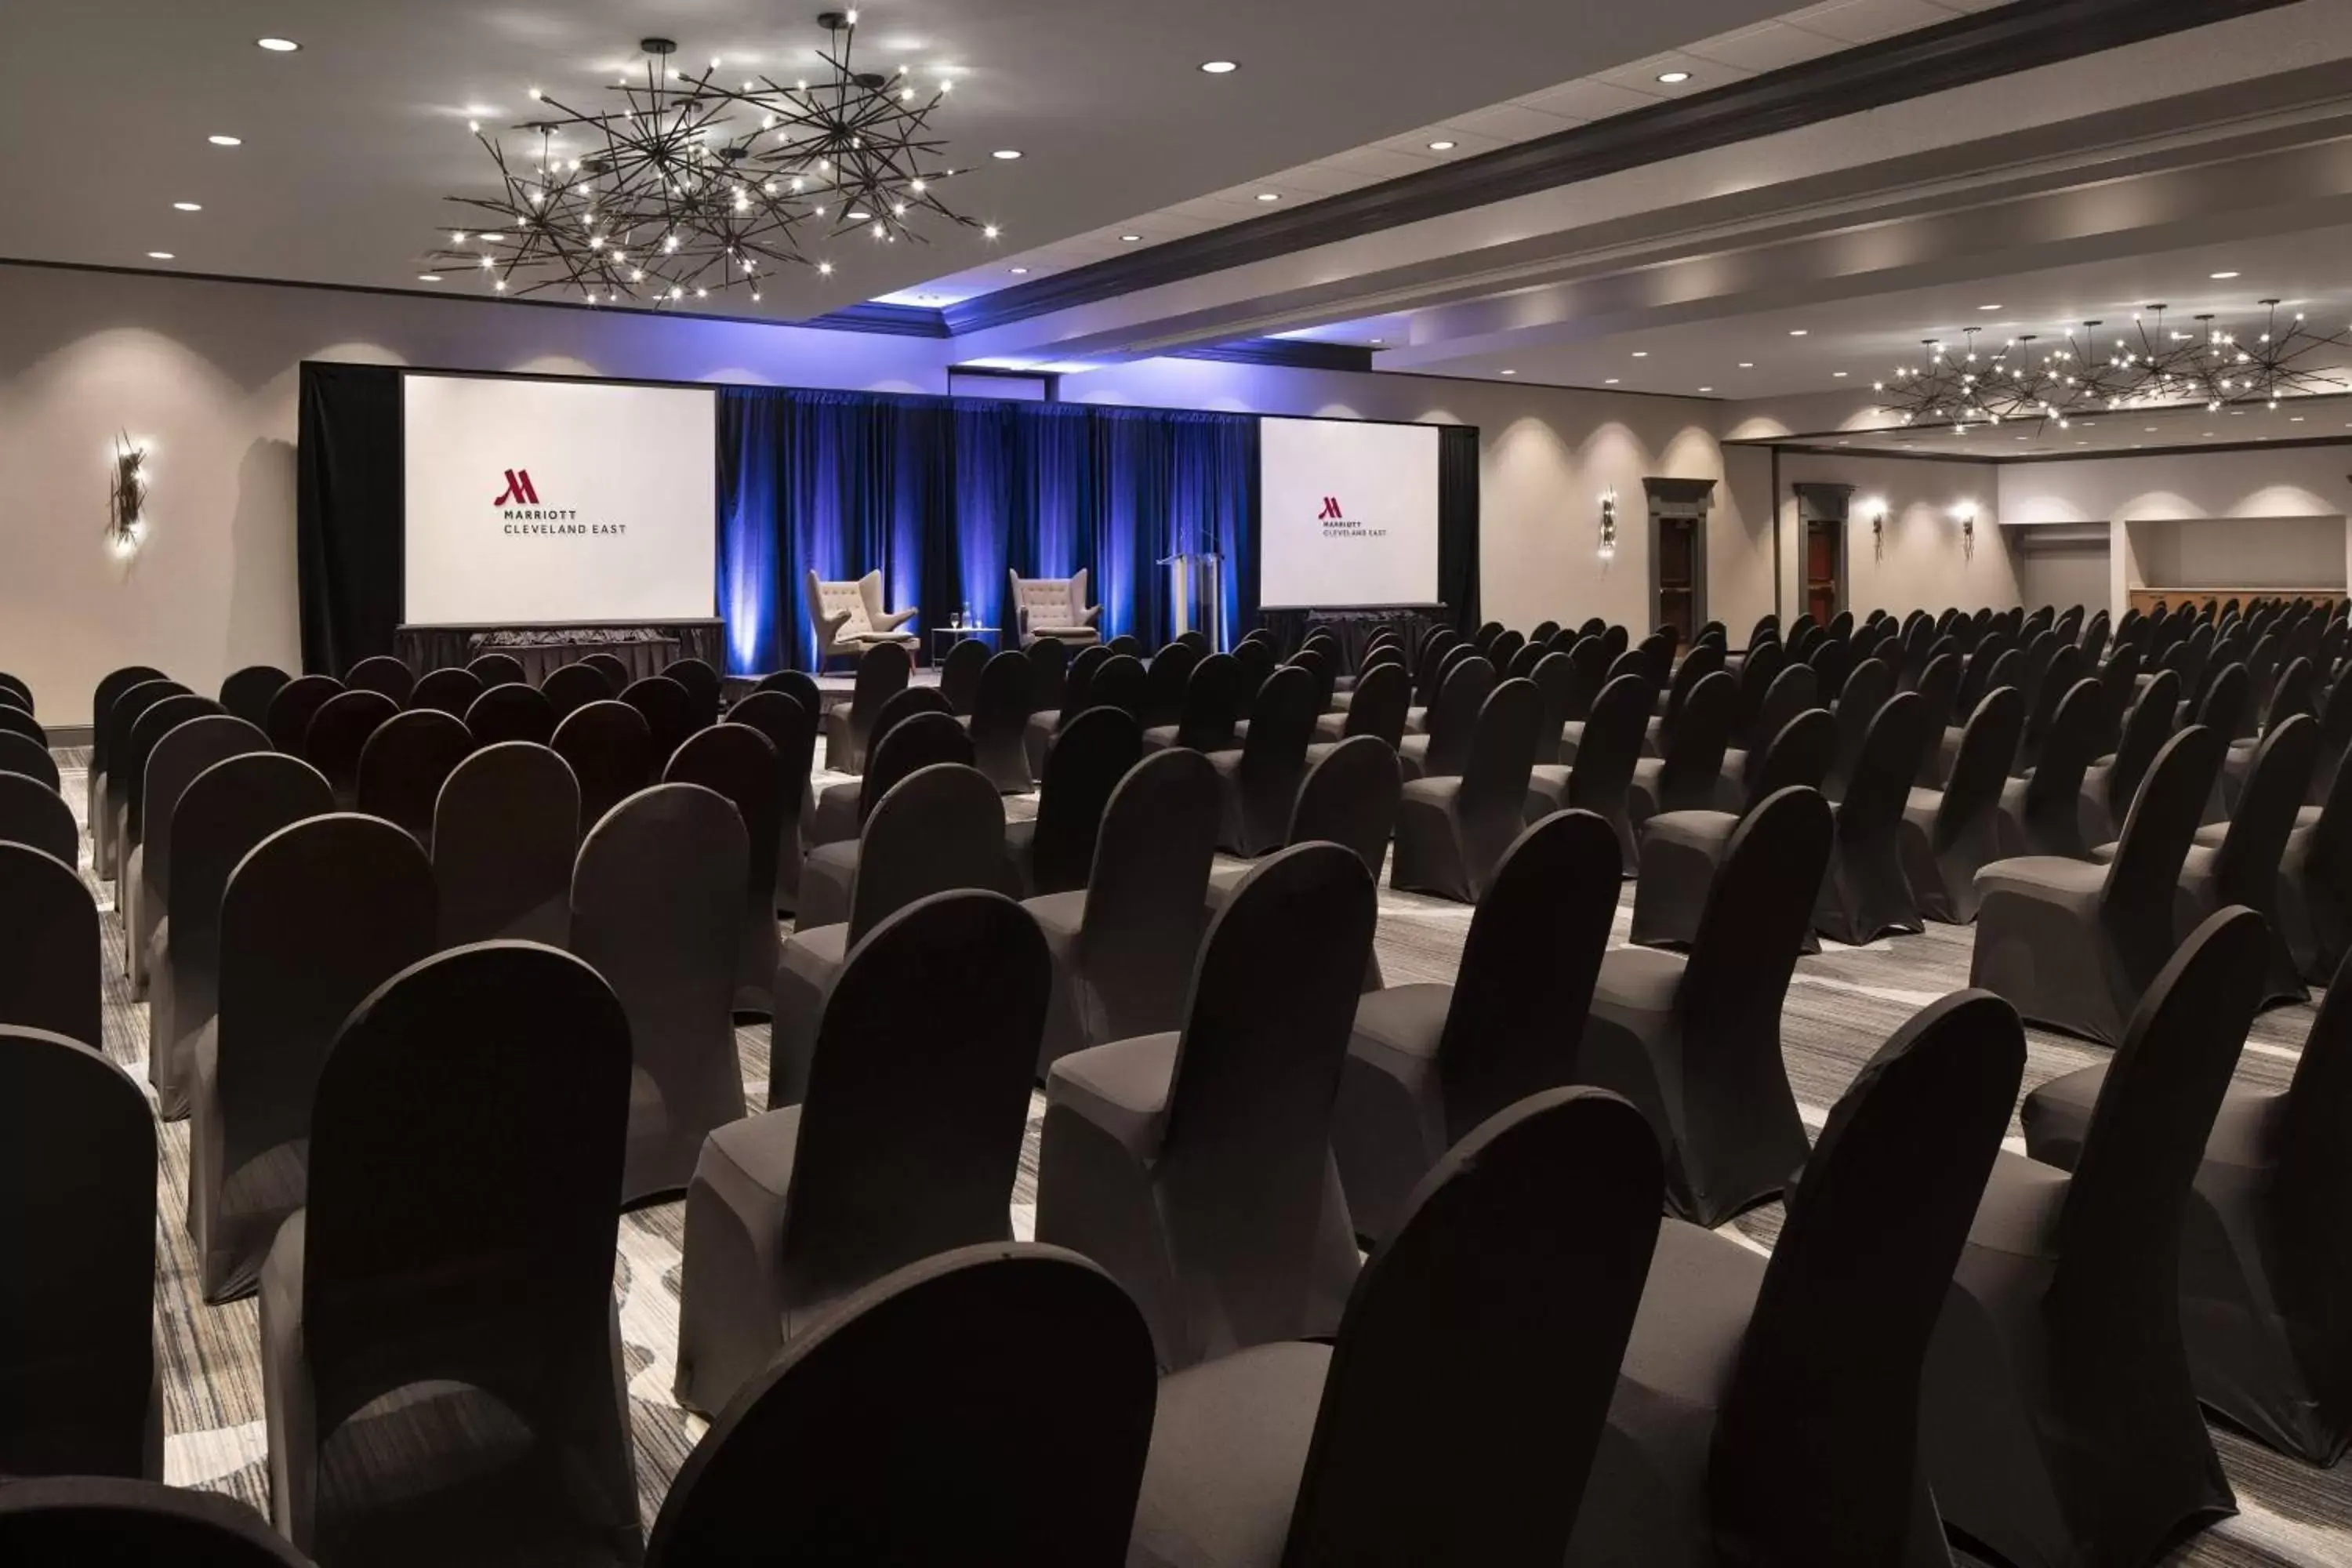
(519,509)
(1337,524)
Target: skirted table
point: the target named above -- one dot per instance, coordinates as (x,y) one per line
(1354,627)
(646,649)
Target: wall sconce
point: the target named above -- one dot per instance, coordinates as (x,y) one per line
(126,498)
(1875,509)
(1965,515)
(1609,523)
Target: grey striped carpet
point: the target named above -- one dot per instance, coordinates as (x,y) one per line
(1843,1005)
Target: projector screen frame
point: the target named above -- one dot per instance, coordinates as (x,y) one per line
(1257,506)
(717,489)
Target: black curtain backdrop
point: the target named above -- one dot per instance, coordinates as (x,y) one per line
(347,513)
(1457,522)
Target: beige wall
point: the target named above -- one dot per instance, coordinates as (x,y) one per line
(1921,560)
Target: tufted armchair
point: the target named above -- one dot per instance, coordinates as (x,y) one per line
(849,617)
(1053,607)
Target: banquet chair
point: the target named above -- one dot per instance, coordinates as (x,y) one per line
(960,674)
(1866,893)
(94,1518)
(1767,1409)
(404,765)
(1000,714)
(1684,778)
(1053,851)
(1695,1042)
(1439,751)
(1348,797)
(1049,663)
(49,952)
(314,918)
(1375,708)
(791,728)
(905,1144)
(1949,834)
(1454,1416)
(186,750)
(842,806)
(1859,698)
(657,910)
(109,690)
(339,732)
(702,683)
(669,714)
(2110,782)
(1123,945)
(849,620)
(829,870)
(2239,864)
(506,830)
(2060,1421)
(445,1294)
(1195,1166)
(1209,711)
(882,671)
(124,784)
(382,673)
(991,1404)
(1703,661)
(1599,772)
(447,691)
(77,1166)
(2041,814)
(1681,850)
(1259,783)
(613,667)
(17,722)
(610,753)
(1055,607)
(517,712)
(495,668)
(33,814)
(1048,722)
(1167,677)
(740,763)
(572,686)
(1793,691)
(1451,832)
(247,692)
(290,710)
(1427,1063)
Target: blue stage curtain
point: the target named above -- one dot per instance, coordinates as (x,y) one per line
(945,495)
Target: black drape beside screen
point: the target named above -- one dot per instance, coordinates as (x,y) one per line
(1457,521)
(348,512)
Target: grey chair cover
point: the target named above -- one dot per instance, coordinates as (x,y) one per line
(991,1404)
(1681,849)
(1451,832)
(339,732)
(1949,834)
(49,954)
(1123,947)
(382,673)
(1769,1411)
(1444,747)
(247,692)
(460,1224)
(610,753)
(829,871)
(702,683)
(225,811)
(939,829)
(905,1144)
(185,751)
(497,670)
(1259,783)
(315,917)
(2073,944)
(658,911)
(2243,868)
(1196,1167)
(1053,851)
(999,717)
(79,1394)
(2060,1418)
(1454,1419)
(843,806)
(1685,779)
(791,728)
(959,673)
(404,764)
(89,1519)
(882,669)
(33,813)
(572,686)
(616,671)
(447,691)
(740,764)
(1428,1063)
(1695,1042)
(669,711)
(515,712)
(506,830)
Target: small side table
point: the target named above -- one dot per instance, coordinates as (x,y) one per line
(945,637)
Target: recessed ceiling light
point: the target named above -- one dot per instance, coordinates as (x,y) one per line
(1706,389)
(2223,276)
(1797,331)
(1838,374)
(1131,238)
(1609,381)
(1021,272)
(188,206)
(1219,68)
(1988,307)
(1510,372)
(1441,146)
(1673,79)
(1006,154)
(279,46)
(159,255)
(1269,195)
(1378,342)
(225,141)
(1641,353)
(1747,364)
(428,277)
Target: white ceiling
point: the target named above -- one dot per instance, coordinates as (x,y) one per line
(351,144)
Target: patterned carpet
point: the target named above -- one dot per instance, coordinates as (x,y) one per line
(1843,1005)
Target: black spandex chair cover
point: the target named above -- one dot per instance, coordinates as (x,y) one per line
(2042,814)
(1047,723)
(506,829)
(1000,714)
(615,669)
(1681,850)
(610,753)
(78,1382)
(905,1145)
(669,714)
(339,733)
(1209,711)
(383,674)
(1949,834)
(448,690)
(1451,831)
(572,686)
(1441,750)
(1196,1167)
(988,1405)
(702,683)
(225,811)
(657,910)
(32,813)
(1454,1419)
(187,750)
(315,917)
(2314,887)
(1377,706)
(939,829)
(960,674)
(2060,1422)
(1428,1063)
(2073,944)
(829,870)
(1053,851)
(17,722)
(2109,784)
(49,953)
(1695,1042)
(791,728)
(1123,946)
(498,669)
(1259,783)
(2243,868)
(406,763)
(75,1520)
(1600,771)
(465,1184)
(513,711)
(1866,893)
(882,669)
(740,763)
(1685,778)
(1049,662)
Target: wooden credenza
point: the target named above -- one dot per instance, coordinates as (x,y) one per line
(2145,600)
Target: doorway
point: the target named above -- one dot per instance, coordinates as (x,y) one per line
(1824,568)
(1678,510)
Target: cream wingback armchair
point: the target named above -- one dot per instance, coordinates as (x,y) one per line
(1053,607)
(849,617)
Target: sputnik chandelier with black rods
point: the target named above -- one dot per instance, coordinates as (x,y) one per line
(2150,365)
(691,186)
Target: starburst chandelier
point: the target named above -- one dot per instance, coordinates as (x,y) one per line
(690,186)
(2148,365)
